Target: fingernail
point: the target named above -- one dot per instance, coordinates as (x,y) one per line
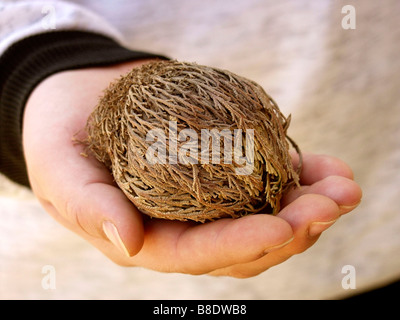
(112,234)
(317,227)
(270,249)
(345,209)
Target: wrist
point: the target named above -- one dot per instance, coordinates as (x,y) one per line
(29,63)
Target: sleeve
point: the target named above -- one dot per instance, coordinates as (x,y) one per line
(29,54)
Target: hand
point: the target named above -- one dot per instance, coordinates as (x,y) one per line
(80,194)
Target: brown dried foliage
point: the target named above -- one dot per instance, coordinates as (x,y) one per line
(196,97)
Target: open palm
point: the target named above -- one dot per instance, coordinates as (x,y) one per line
(80,194)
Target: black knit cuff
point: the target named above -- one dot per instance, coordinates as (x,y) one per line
(29,61)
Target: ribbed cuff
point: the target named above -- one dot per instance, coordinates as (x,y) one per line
(29,61)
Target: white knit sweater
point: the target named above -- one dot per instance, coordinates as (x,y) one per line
(20,19)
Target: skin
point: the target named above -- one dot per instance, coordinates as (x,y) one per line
(80,194)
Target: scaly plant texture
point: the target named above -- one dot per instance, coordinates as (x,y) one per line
(161,95)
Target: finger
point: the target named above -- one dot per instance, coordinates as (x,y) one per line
(302,215)
(345,192)
(317,167)
(308,216)
(199,249)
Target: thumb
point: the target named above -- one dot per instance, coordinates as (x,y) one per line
(102,211)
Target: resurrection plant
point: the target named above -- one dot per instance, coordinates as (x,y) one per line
(190,142)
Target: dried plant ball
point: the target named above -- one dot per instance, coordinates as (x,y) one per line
(191,142)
